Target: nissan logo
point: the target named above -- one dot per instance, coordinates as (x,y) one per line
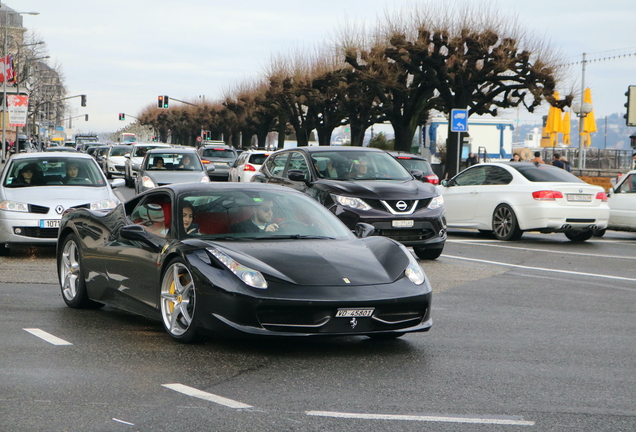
(401,205)
(59,209)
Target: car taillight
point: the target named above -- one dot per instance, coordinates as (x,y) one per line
(602,196)
(248,167)
(432,179)
(546,195)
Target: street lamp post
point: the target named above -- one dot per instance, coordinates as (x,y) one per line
(4,81)
(581,112)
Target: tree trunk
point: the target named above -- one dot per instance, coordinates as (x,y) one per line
(403,137)
(324,135)
(453,152)
(357,134)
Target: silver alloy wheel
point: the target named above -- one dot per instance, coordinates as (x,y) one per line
(70,270)
(177,299)
(502,222)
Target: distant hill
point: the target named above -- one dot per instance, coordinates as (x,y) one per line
(618,132)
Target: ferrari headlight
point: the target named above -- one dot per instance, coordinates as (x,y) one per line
(106,204)
(147,182)
(14,206)
(205,179)
(413,271)
(355,203)
(436,202)
(251,277)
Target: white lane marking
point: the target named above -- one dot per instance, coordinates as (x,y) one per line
(541,268)
(547,250)
(444,419)
(191,391)
(47,336)
(124,422)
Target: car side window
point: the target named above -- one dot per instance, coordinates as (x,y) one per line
(471,177)
(276,164)
(298,162)
(629,185)
(497,176)
(153,213)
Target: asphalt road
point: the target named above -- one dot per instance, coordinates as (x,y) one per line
(534,335)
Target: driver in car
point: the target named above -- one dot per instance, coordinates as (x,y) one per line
(261,220)
(359,169)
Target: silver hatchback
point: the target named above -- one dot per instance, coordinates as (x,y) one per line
(36,188)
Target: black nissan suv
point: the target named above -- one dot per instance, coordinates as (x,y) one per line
(365,185)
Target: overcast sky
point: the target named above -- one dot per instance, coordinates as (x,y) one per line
(123,54)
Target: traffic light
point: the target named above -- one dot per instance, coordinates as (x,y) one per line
(207,136)
(122,116)
(163,102)
(85,117)
(631,106)
(83,98)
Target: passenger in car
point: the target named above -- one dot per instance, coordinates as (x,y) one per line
(28,175)
(260,221)
(158,163)
(187,213)
(186,162)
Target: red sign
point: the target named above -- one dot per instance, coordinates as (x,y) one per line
(199,139)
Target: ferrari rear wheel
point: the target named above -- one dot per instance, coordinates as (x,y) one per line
(70,272)
(178,302)
(504,224)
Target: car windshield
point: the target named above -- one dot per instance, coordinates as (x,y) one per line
(53,171)
(546,173)
(359,165)
(218,153)
(119,151)
(140,151)
(243,214)
(173,162)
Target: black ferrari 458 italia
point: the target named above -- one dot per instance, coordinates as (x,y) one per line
(251,259)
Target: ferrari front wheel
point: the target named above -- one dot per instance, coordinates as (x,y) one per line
(178,302)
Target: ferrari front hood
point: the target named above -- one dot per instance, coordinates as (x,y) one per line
(374,260)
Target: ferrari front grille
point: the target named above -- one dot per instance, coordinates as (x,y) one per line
(292,318)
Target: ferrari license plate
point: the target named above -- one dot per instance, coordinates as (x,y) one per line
(50,223)
(580,197)
(402,223)
(348,313)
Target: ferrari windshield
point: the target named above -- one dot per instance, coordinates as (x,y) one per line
(358,165)
(257,215)
(53,170)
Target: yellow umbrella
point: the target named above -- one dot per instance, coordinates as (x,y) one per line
(566,128)
(554,124)
(589,122)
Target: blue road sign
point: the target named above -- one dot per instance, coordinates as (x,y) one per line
(459,120)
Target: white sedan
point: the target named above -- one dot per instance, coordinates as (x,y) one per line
(247,164)
(508,198)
